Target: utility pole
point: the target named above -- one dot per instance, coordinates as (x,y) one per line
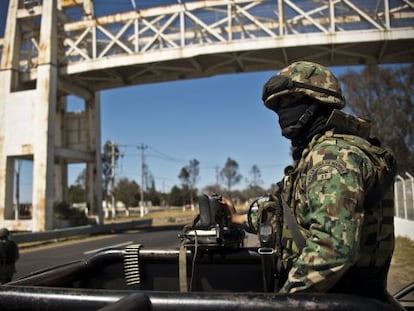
(142,147)
(16,211)
(113,155)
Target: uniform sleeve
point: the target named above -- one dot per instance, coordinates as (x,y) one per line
(334,195)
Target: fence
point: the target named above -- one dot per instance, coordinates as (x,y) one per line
(404,206)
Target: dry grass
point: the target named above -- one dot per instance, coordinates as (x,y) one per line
(173,213)
(402,267)
(171,216)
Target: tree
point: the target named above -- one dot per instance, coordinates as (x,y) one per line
(385,96)
(154,196)
(76,193)
(184,177)
(189,176)
(256,176)
(81,179)
(230,173)
(193,169)
(254,189)
(176,196)
(127,192)
(149,181)
(109,157)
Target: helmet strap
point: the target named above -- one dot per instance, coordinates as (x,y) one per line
(318,89)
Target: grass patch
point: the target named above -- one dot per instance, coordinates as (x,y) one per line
(402,268)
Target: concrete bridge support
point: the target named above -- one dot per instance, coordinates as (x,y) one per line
(35,124)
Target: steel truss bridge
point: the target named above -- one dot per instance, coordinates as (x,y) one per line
(52,49)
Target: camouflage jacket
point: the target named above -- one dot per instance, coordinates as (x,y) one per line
(327,192)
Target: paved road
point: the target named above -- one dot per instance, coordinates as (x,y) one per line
(40,258)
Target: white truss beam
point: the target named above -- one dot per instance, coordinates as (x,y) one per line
(199,31)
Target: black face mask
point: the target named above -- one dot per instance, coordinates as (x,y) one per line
(291,117)
(300,121)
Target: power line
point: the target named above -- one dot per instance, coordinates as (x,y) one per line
(171,158)
(156,154)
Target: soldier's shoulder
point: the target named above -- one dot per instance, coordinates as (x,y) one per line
(337,148)
(338,154)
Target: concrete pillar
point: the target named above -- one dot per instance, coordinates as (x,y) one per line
(94,170)
(44,120)
(34,121)
(8,72)
(61,167)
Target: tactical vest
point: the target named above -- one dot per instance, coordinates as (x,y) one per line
(377,238)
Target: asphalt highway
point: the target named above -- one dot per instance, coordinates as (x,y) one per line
(58,253)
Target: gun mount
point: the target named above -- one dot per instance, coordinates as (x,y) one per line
(212,229)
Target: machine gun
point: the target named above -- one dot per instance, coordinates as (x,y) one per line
(212,228)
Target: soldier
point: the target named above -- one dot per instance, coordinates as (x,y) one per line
(339,189)
(9,253)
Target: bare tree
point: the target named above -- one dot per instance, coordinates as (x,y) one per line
(194,170)
(256,177)
(230,173)
(385,96)
(81,179)
(189,176)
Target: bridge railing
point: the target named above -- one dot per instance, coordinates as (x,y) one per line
(205,23)
(404,197)
(200,23)
(404,206)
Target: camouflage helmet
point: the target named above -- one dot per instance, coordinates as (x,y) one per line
(4,233)
(307,78)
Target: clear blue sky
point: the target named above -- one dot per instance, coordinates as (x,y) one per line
(207,119)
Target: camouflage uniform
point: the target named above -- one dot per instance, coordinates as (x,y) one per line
(326,190)
(335,190)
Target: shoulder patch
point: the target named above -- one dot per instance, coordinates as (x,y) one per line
(320,172)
